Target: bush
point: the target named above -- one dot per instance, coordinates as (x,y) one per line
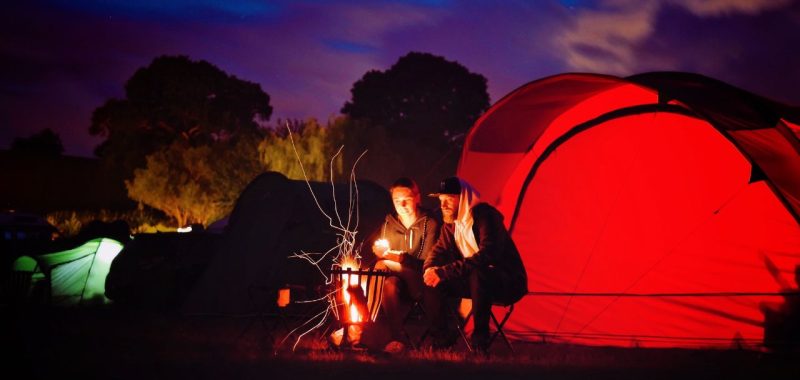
(70,223)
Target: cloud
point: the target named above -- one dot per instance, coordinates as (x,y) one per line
(746,43)
(310,58)
(727,7)
(754,52)
(507,42)
(349,46)
(174,10)
(370,23)
(604,40)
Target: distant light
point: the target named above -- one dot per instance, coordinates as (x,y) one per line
(184,230)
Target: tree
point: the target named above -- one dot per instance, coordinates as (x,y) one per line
(386,158)
(196,184)
(422,97)
(316,146)
(176,99)
(43,143)
(200,184)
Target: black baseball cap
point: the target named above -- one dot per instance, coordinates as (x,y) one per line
(450,185)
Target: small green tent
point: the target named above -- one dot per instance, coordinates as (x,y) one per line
(72,277)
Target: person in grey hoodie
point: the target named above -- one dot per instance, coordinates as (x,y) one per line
(402,245)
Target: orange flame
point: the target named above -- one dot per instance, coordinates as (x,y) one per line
(355,316)
(351,282)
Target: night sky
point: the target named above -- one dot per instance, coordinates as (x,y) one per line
(61,59)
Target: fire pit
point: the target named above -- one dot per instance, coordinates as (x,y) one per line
(356,297)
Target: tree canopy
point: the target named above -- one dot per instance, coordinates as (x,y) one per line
(43,143)
(422,97)
(315,145)
(200,184)
(175,98)
(196,184)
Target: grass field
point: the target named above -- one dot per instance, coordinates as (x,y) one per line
(113,344)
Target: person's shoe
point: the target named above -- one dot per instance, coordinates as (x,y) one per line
(480,345)
(394,347)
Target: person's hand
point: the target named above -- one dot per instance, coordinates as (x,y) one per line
(392,255)
(430,277)
(380,247)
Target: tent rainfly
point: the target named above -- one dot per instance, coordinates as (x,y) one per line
(274,218)
(657,210)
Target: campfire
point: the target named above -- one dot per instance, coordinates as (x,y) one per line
(355,297)
(355,294)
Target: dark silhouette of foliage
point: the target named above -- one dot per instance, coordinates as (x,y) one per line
(176,99)
(386,157)
(423,97)
(44,143)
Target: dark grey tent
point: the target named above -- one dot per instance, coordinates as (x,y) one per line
(156,271)
(275,217)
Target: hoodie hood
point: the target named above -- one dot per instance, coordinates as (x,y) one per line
(464,236)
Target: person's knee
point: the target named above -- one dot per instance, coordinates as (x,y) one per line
(479,278)
(392,285)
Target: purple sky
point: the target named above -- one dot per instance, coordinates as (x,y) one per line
(61,59)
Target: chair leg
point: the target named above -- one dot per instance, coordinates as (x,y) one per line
(416,311)
(497,324)
(499,327)
(461,326)
(258,298)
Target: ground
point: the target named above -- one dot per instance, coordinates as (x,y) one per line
(125,344)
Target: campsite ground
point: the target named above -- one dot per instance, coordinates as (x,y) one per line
(111,343)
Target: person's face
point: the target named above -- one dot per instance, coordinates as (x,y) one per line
(405,201)
(449,205)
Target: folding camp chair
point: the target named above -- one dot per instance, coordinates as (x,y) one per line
(415,315)
(498,324)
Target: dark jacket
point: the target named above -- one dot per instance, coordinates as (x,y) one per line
(415,242)
(495,248)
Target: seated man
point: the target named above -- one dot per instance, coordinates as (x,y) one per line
(474,258)
(403,244)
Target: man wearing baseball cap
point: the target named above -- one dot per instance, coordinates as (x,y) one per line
(474,257)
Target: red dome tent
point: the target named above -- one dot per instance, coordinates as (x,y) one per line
(658,210)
